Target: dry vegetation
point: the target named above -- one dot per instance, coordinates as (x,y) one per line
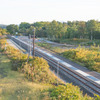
(15,86)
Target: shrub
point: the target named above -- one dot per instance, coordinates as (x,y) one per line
(89,57)
(38,70)
(68,92)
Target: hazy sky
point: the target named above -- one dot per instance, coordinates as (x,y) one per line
(17,11)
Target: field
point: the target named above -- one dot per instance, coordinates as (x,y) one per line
(75,41)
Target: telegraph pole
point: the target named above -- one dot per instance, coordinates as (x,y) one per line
(30,44)
(28,48)
(33,43)
(57,72)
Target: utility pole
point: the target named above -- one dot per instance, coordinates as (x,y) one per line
(57,72)
(33,43)
(28,50)
(30,44)
(32,68)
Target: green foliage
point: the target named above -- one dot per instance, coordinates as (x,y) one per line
(23,27)
(68,92)
(50,47)
(30,30)
(40,24)
(46,45)
(38,71)
(97,97)
(92,26)
(74,41)
(56,30)
(70,54)
(89,57)
(72,31)
(3,32)
(12,28)
(82,29)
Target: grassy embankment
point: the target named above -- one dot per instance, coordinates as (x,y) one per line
(14,85)
(39,83)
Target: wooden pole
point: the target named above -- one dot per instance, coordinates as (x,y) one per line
(33,43)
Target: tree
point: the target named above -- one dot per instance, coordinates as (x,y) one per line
(40,24)
(72,31)
(41,28)
(97,32)
(56,30)
(23,27)
(92,26)
(82,29)
(12,28)
(30,30)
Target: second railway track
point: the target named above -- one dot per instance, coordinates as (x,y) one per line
(88,84)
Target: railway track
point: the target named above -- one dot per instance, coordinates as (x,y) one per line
(85,80)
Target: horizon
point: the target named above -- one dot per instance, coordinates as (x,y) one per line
(49,21)
(17,11)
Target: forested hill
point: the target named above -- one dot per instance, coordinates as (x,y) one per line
(3,26)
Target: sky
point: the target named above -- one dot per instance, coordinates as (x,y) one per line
(17,11)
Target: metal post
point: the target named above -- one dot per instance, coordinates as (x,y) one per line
(33,42)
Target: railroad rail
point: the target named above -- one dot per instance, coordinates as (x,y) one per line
(89,82)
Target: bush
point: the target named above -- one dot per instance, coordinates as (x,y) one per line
(89,57)
(68,92)
(69,54)
(38,70)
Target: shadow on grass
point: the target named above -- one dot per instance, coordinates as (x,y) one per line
(5,66)
(3,73)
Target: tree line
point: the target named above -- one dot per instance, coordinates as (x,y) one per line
(59,30)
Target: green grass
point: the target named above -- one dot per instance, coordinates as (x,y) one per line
(51,48)
(14,86)
(76,41)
